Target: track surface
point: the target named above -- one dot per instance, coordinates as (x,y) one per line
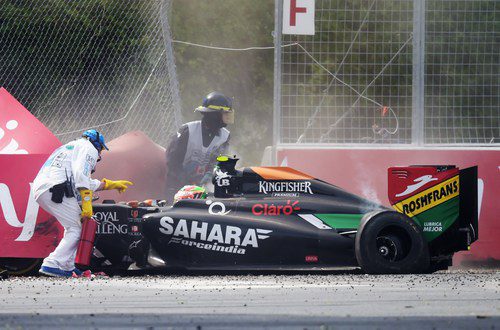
(458,299)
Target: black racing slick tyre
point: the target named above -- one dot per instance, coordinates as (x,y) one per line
(20,266)
(391,243)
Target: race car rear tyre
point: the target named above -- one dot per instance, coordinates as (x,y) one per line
(391,243)
(20,266)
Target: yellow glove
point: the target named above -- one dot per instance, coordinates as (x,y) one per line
(86,203)
(120,185)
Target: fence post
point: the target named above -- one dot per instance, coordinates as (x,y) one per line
(278,25)
(418,90)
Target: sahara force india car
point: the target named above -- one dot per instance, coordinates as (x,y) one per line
(277,218)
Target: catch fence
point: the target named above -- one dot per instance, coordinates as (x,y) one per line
(398,72)
(92,64)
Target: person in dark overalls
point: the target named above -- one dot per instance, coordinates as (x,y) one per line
(192,152)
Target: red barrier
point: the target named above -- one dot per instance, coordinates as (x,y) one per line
(134,157)
(23,234)
(26,230)
(25,143)
(20,131)
(364,172)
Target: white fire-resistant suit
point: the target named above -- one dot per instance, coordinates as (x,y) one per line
(75,161)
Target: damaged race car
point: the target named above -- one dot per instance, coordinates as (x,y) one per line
(277,218)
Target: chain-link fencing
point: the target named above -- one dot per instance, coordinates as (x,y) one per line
(91,64)
(462,77)
(356,81)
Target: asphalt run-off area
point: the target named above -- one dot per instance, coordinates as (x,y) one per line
(466,299)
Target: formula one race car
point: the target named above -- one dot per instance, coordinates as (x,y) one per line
(264,218)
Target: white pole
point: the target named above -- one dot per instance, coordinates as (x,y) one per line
(418,90)
(278,24)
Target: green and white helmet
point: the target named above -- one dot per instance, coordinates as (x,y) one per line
(190,192)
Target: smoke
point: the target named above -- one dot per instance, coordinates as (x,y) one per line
(369,193)
(365,183)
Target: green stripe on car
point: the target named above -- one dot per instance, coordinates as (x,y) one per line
(344,221)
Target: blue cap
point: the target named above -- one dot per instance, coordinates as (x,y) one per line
(96,139)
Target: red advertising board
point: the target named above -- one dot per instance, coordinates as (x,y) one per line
(26,230)
(21,133)
(25,143)
(364,171)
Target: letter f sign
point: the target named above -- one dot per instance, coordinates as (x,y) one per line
(294,10)
(298,17)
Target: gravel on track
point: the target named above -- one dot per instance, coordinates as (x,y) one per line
(457,299)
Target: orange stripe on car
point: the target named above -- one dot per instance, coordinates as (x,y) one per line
(280,173)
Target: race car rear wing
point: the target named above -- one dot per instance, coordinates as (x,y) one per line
(441,199)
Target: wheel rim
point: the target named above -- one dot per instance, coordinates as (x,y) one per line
(388,248)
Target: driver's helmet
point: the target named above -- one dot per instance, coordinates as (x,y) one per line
(190,192)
